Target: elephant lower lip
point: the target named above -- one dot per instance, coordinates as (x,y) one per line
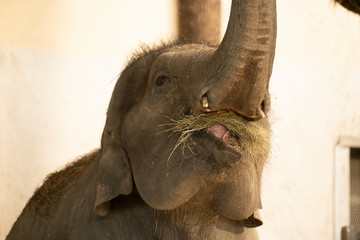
(227,223)
(250,222)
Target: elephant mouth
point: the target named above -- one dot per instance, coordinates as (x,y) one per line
(238,133)
(247,137)
(219,131)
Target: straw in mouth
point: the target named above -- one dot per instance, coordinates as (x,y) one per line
(252,138)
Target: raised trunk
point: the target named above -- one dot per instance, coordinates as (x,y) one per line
(242,65)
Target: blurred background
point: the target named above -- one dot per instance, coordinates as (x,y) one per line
(59,61)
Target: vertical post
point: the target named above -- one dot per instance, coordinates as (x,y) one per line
(341,189)
(199,21)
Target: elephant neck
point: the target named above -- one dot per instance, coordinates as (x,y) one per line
(194,220)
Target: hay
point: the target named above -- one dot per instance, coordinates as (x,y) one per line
(253,139)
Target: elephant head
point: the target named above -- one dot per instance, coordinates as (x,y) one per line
(162,86)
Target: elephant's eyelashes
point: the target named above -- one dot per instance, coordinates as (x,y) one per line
(161,80)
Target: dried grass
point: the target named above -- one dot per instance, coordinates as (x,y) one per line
(253,139)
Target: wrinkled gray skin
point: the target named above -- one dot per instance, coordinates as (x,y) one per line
(130,188)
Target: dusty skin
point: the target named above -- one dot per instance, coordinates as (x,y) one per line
(142,184)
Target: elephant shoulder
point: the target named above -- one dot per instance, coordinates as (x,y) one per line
(57,184)
(42,208)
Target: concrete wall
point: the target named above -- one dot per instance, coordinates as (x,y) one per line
(315,101)
(58,65)
(59,61)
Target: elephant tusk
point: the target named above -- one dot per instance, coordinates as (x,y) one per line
(205,102)
(261,113)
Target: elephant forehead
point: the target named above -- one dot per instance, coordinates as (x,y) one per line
(177,60)
(163,61)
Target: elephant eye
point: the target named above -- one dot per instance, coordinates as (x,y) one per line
(161,80)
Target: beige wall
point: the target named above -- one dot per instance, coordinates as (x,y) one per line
(59,59)
(315,100)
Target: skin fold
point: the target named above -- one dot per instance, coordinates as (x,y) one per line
(139,184)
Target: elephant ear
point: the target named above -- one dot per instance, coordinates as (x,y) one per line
(114,178)
(114,173)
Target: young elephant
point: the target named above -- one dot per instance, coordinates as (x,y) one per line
(183,148)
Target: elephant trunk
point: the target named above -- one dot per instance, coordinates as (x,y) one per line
(241,66)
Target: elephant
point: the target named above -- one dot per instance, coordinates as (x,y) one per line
(183,148)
